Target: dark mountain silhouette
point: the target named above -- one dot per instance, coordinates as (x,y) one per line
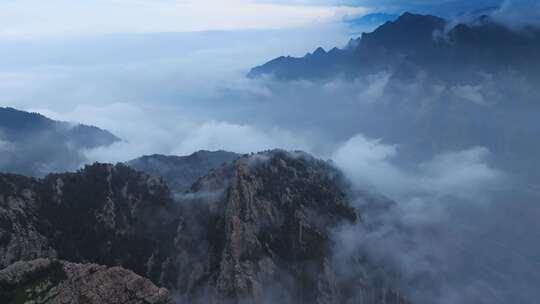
(450,86)
(423,43)
(33,144)
(15,125)
(181,172)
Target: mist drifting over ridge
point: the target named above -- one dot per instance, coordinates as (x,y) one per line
(456,155)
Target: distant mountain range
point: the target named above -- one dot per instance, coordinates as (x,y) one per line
(449,86)
(414,43)
(33,144)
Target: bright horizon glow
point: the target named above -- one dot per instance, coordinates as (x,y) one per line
(57,18)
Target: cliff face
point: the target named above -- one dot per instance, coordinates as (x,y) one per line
(258,230)
(273,220)
(104,214)
(56,282)
(266,233)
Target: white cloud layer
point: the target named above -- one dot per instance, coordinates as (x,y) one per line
(172,133)
(369,163)
(519,13)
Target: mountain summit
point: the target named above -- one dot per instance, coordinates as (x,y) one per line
(425,42)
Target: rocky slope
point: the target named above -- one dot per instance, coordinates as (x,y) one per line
(105,214)
(271,214)
(262,228)
(181,172)
(56,282)
(258,230)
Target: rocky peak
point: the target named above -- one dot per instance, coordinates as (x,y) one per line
(408,33)
(255,230)
(319,52)
(273,221)
(422,44)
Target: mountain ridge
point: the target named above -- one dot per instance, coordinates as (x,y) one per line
(181,172)
(252,231)
(16,121)
(31,143)
(428,42)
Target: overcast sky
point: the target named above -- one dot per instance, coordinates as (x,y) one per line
(24,18)
(35,18)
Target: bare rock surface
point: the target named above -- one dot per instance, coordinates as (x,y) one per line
(257,230)
(263,234)
(104,214)
(56,282)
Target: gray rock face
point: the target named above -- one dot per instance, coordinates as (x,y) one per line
(57,282)
(19,237)
(263,229)
(257,230)
(105,214)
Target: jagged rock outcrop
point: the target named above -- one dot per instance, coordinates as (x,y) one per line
(58,282)
(264,227)
(105,214)
(258,230)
